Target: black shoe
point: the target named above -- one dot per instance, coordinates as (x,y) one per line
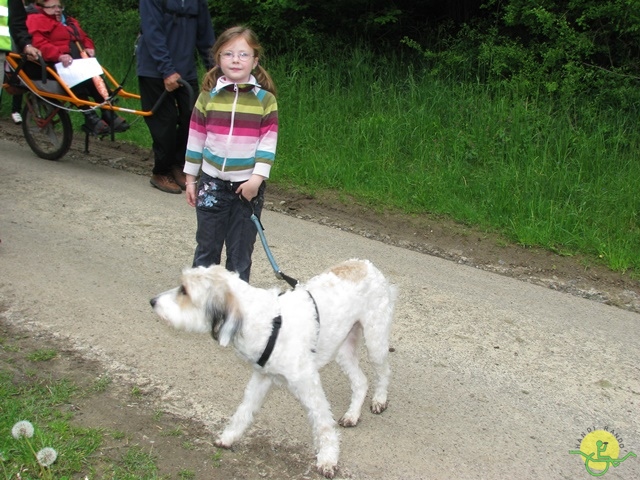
(94,124)
(119,123)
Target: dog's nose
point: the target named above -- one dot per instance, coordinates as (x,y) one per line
(152,302)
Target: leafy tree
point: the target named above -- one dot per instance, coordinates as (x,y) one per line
(563,47)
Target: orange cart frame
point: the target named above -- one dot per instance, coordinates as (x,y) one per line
(45,117)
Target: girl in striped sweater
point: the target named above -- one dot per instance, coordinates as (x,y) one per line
(232,145)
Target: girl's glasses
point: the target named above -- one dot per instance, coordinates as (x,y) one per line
(242,56)
(54,7)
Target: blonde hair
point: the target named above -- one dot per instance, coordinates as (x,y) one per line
(262,76)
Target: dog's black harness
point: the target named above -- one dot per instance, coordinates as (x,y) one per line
(275,330)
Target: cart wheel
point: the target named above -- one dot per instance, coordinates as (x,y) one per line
(47,128)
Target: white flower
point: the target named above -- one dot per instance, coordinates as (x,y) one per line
(22,429)
(47,456)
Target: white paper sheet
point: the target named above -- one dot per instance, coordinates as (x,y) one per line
(81,69)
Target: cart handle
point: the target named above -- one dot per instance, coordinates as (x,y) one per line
(182,82)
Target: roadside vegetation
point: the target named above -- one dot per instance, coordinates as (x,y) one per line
(38,435)
(62,418)
(518,119)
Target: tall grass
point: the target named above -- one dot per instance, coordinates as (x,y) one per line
(564,178)
(562,175)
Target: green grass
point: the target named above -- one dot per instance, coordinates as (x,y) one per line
(38,402)
(554,173)
(562,178)
(42,355)
(43,402)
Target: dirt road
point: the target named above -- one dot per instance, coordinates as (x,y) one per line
(493,377)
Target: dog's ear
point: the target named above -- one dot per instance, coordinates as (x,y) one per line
(234,320)
(217,314)
(226,318)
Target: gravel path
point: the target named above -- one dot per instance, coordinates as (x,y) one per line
(493,377)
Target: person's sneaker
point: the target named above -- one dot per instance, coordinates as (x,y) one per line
(16,117)
(179,177)
(165,183)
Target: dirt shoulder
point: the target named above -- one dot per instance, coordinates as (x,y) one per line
(428,234)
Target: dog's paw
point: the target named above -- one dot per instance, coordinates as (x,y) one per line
(327,470)
(348,422)
(378,407)
(222,444)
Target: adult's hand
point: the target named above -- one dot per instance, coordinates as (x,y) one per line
(171,82)
(32,52)
(65,59)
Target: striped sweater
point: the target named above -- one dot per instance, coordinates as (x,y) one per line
(233,132)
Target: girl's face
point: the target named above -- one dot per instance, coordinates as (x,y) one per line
(237,60)
(53,8)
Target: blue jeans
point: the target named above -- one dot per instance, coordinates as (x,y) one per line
(224,218)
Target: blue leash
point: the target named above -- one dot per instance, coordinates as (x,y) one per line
(279,274)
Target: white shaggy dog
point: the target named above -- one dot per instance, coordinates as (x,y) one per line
(289,336)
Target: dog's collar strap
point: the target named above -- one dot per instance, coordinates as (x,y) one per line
(277,322)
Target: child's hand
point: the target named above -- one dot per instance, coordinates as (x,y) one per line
(191,194)
(191,190)
(249,189)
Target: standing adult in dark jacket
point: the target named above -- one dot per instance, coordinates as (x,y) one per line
(18,29)
(172,32)
(21,40)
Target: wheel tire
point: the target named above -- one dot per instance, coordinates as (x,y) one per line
(47,128)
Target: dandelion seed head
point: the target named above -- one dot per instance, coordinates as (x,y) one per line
(21,429)
(47,456)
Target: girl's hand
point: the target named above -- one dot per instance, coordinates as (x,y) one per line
(90,51)
(191,191)
(249,189)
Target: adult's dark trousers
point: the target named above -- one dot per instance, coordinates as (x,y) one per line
(169,124)
(225,219)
